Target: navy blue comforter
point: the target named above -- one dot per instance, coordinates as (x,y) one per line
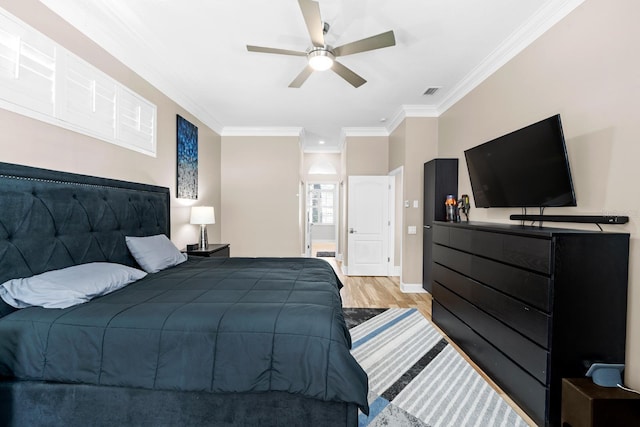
(209,324)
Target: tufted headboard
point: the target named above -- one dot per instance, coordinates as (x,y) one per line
(51,220)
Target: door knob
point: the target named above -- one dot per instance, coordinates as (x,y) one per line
(351,231)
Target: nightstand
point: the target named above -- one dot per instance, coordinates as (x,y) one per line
(585,404)
(220,250)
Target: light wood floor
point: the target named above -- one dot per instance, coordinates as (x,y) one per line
(384,292)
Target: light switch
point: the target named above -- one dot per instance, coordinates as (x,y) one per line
(411,229)
(406,204)
(416,204)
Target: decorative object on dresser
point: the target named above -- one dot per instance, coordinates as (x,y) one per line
(440,180)
(531,305)
(219,250)
(203,215)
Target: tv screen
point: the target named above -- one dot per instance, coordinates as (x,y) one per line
(525,168)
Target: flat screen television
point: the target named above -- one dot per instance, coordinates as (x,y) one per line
(525,168)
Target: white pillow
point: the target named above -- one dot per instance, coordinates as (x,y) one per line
(68,286)
(154,253)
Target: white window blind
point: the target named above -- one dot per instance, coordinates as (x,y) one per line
(136,120)
(87,97)
(27,68)
(41,79)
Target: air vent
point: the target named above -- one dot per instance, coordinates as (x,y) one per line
(431,91)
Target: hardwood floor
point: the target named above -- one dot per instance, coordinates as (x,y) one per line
(384,292)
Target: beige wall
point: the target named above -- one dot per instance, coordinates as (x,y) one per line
(421,146)
(586,69)
(260,179)
(363,155)
(30,142)
(411,144)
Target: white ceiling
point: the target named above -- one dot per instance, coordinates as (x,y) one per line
(195,52)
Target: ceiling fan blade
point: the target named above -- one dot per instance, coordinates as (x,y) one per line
(344,72)
(311,13)
(274,50)
(302,77)
(370,43)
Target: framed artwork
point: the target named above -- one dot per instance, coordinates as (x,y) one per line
(187,145)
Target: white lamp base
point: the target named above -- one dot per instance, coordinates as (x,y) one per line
(204,242)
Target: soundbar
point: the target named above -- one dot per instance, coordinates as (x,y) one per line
(591,219)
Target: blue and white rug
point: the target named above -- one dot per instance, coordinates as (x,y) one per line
(417,379)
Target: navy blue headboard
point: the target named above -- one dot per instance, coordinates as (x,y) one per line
(51,220)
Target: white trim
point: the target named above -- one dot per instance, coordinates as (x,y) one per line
(365,131)
(261,131)
(412,288)
(396,120)
(420,111)
(398,172)
(540,22)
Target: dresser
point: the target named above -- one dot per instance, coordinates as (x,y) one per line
(531,305)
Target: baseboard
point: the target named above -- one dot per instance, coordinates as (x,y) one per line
(339,257)
(345,270)
(412,288)
(396,271)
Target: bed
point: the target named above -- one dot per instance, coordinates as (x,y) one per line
(209,341)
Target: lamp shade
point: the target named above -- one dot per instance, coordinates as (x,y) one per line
(202,215)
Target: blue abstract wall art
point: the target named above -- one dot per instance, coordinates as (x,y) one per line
(187,142)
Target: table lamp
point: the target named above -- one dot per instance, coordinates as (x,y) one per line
(203,215)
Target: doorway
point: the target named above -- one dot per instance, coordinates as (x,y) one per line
(321,220)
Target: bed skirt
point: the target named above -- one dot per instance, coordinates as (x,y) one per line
(33,403)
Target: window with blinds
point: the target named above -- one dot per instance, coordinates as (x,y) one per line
(42,80)
(321,202)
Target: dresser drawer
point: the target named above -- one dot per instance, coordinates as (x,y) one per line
(527,252)
(532,288)
(528,321)
(523,388)
(533,358)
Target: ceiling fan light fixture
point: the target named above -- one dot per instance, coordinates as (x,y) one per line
(320,59)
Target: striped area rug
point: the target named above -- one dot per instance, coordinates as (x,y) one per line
(416,378)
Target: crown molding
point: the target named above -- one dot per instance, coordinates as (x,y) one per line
(262,131)
(545,18)
(364,131)
(411,111)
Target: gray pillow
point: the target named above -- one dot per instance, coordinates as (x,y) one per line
(154,253)
(68,286)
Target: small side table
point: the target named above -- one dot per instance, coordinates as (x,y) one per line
(585,404)
(220,250)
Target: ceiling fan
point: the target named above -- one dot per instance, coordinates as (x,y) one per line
(321,56)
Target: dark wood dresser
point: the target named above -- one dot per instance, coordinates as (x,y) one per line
(531,305)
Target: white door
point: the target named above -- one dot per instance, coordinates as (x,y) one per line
(368,225)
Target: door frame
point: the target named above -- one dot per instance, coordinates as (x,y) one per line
(395,204)
(308,240)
